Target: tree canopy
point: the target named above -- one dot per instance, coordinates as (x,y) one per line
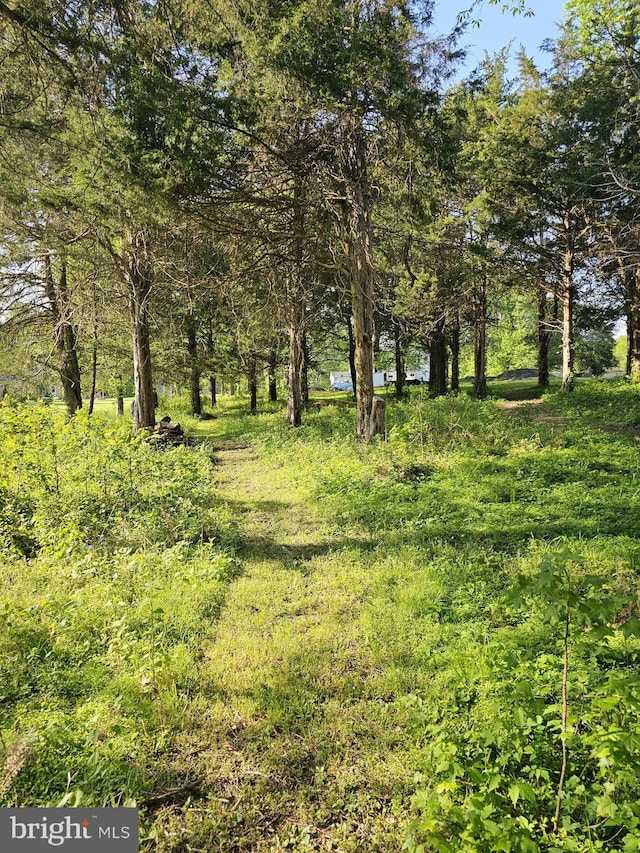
(322,168)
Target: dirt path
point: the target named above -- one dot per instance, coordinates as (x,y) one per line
(292,737)
(534,411)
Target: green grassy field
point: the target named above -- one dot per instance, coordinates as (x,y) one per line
(285,640)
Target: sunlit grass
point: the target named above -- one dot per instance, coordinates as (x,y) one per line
(301,685)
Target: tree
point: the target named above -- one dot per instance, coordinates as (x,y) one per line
(602,40)
(355,62)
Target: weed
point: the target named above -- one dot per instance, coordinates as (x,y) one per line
(457,604)
(115,560)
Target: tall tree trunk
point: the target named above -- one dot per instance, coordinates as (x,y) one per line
(567,298)
(210,353)
(438,360)
(305,369)
(296,359)
(544,337)
(137,270)
(272,364)
(454,345)
(399,359)
(297,304)
(119,400)
(253,384)
(94,373)
(632,287)
(480,341)
(194,366)
(94,347)
(64,334)
(629,355)
(357,248)
(352,354)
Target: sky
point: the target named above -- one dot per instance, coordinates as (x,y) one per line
(498,28)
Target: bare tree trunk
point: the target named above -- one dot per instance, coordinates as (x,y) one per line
(352,354)
(567,296)
(544,337)
(454,346)
(64,334)
(480,341)
(272,363)
(632,282)
(94,347)
(297,303)
(253,384)
(210,352)
(94,374)
(628,364)
(119,401)
(356,244)
(296,358)
(400,362)
(305,369)
(378,418)
(137,272)
(438,360)
(567,338)
(194,366)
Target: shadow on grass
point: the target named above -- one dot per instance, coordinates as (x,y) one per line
(293,556)
(533,392)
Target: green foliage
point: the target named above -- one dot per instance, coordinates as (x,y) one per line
(608,402)
(483,474)
(496,784)
(116,557)
(439,561)
(512,342)
(94,483)
(465,503)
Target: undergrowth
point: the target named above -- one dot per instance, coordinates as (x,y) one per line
(491,559)
(115,558)
(523,536)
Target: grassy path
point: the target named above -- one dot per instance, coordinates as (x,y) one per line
(296,736)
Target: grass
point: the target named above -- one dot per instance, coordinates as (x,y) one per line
(365,637)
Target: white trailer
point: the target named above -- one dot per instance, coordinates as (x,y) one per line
(340,380)
(411,377)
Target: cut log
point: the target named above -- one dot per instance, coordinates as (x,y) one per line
(168,432)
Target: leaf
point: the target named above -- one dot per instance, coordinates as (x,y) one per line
(605,806)
(494,781)
(631,628)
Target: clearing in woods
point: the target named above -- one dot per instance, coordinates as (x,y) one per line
(296,739)
(301,733)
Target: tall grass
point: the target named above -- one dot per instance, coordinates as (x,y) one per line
(115,557)
(482,502)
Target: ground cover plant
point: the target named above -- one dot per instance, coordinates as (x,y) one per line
(115,559)
(519,531)
(429,641)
